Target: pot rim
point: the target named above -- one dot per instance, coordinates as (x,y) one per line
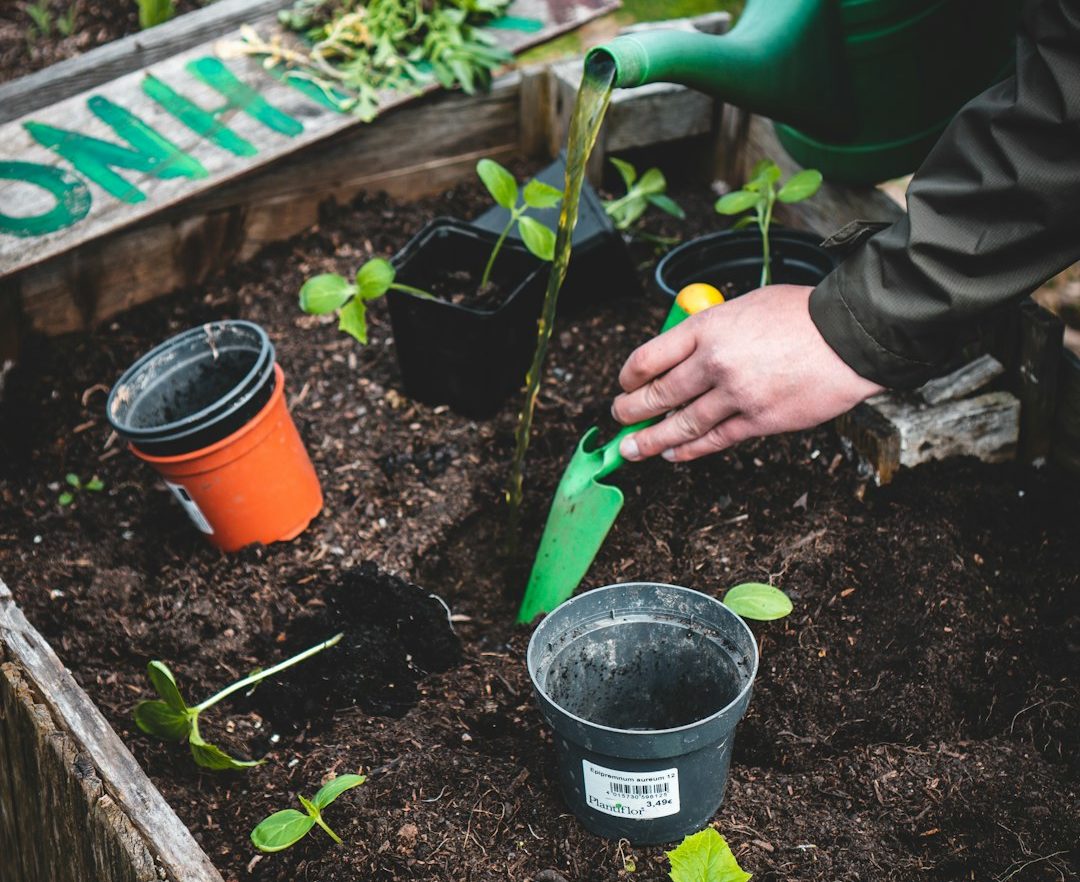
(533,654)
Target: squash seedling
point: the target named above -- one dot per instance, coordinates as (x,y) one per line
(155,12)
(760,193)
(540,240)
(94,485)
(171,719)
(757,601)
(287,827)
(705,857)
(330,292)
(649,189)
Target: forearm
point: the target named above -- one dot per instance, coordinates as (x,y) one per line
(993,212)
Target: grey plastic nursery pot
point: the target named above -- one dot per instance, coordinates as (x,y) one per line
(643,684)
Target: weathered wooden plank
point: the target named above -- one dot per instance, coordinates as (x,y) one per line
(54,205)
(1041,336)
(74,75)
(970,378)
(60,751)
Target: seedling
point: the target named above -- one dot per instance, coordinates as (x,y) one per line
(649,189)
(94,485)
(42,19)
(754,600)
(705,857)
(760,194)
(65,23)
(171,719)
(155,12)
(540,240)
(330,292)
(287,827)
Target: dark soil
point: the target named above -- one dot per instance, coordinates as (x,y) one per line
(26,46)
(917,715)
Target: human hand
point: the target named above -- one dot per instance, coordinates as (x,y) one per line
(756,365)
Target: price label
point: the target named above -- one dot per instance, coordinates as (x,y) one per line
(641,795)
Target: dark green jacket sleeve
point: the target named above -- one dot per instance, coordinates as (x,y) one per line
(993,212)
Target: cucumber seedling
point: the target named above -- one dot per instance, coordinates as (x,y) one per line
(287,827)
(172,719)
(705,857)
(757,601)
(761,193)
(77,485)
(649,189)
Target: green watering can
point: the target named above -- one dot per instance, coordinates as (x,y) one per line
(860,89)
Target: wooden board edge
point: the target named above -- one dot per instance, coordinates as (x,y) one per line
(78,718)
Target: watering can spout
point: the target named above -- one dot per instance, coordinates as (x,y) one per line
(782,59)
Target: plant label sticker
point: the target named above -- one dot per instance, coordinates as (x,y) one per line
(191,507)
(641,795)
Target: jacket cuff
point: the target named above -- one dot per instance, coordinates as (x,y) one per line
(837,322)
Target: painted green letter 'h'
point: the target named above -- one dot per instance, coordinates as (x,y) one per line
(151,153)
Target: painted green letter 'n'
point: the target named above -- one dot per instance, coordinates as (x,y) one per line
(71,195)
(151,153)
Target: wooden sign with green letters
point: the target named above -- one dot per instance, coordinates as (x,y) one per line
(114,155)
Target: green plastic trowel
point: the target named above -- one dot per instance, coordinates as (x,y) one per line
(584,508)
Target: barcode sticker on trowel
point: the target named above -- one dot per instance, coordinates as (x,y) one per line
(641,795)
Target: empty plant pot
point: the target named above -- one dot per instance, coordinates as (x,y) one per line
(733,258)
(643,684)
(468,356)
(207,410)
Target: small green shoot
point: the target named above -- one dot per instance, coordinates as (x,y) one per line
(760,193)
(42,19)
(649,189)
(155,12)
(540,240)
(94,485)
(65,23)
(287,827)
(754,600)
(705,857)
(171,719)
(330,292)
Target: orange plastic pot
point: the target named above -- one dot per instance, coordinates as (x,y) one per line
(255,485)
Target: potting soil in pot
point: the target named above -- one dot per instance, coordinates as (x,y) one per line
(916,717)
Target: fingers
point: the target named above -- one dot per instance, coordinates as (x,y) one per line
(683,383)
(720,437)
(657,357)
(680,428)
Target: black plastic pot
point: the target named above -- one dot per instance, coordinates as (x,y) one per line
(468,358)
(194,389)
(734,257)
(643,684)
(600,264)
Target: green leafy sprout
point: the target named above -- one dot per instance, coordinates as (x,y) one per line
(757,601)
(155,12)
(171,719)
(77,485)
(761,193)
(42,19)
(705,857)
(540,240)
(287,827)
(649,189)
(330,292)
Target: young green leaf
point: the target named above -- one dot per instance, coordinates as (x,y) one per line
(537,194)
(666,203)
(165,685)
(651,182)
(73,480)
(626,171)
(705,857)
(801,185)
(157,718)
(333,789)
(353,319)
(281,830)
(66,498)
(743,222)
(214,758)
(94,485)
(499,182)
(736,202)
(765,170)
(537,238)
(325,293)
(753,600)
(374,278)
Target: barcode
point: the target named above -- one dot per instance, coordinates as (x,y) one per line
(659,789)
